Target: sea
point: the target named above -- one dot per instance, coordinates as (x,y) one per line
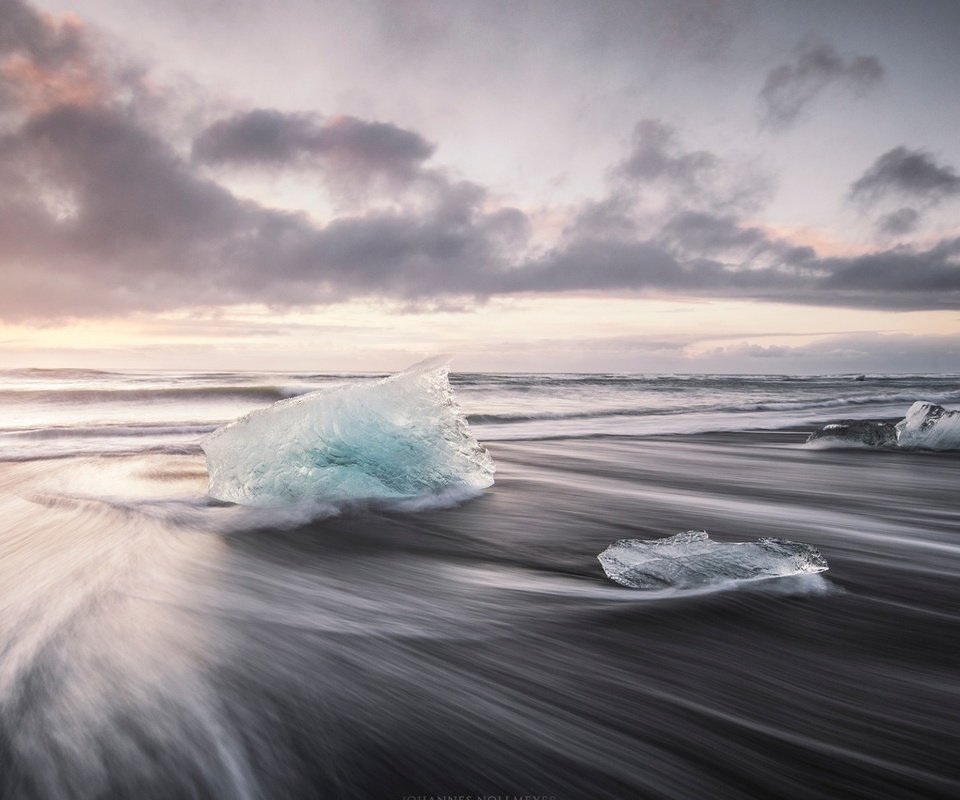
(158,643)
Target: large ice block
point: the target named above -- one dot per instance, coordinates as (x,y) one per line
(398,437)
(692,560)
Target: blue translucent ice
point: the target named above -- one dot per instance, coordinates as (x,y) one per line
(399,437)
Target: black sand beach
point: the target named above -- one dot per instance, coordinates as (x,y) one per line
(480,650)
(479,400)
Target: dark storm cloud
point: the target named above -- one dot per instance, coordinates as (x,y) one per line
(789,88)
(272,138)
(906,172)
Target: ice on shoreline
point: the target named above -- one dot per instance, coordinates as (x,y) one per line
(857,432)
(691,560)
(399,437)
(930,427)
(927,426)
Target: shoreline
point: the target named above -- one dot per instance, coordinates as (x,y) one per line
(480,647)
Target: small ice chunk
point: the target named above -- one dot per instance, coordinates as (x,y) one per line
(691,560)
(928,426)
(858,432)
(398,437)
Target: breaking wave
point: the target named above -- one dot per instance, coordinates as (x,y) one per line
(120,395)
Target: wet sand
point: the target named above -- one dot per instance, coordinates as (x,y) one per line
(480,650)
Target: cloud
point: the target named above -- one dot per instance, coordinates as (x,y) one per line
(42,38)
(266,137)
(704,233)
(709,255)
(101,214)
(905,172)
(614,216)
(849,353)
(44,62)
(659,165)
(743,352)
(789,88)
(900,274)
(656,155)
(899,222)
(144,230)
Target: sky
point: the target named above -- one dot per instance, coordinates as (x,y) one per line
(615,186)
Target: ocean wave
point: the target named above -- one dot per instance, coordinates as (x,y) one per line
(582,589)
(732,408)
(19,455)
(206,513)
(545,416)
(266,394)
(840,402)
(202,512)
(107,431)
(60,373)
(654,380)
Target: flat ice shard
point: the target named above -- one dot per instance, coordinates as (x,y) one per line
(858,431)
(398,437)
(691,560)
(926,426)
